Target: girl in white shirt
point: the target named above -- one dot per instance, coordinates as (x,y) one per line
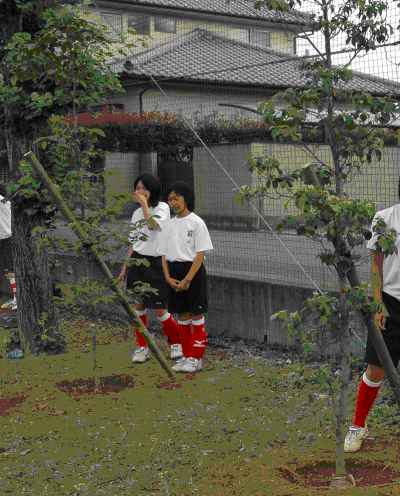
(145,246)
(184,242)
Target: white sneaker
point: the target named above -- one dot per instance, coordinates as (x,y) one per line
(190,365)
(140,355)
(176,351)
(9,304)
(354,439)
(179,363)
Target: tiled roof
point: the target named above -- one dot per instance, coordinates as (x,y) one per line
(235,8)
(202,56)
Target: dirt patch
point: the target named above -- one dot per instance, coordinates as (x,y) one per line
(106,385)
(320,474)
(6,404)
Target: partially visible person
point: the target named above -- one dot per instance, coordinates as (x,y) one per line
(146,248)
(5,240)
(184,243)
(385,279)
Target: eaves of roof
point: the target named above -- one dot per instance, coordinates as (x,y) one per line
(235,9)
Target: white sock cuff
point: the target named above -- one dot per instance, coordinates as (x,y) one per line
(184,322)
(370,383)
(199,322)
(141,312)
(164,317)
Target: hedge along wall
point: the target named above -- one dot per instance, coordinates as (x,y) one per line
(133,141)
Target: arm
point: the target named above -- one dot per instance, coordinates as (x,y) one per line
(377,284)
(151,222)
(196,264)
(122,274)
(170,281)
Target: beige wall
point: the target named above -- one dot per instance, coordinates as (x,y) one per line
(281,40)
(376,182)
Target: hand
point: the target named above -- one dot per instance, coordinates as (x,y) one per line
(380,320)
(122,275)
(141,198)
(184,285)
(174,283)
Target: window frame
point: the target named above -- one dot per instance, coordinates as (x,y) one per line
(138,17)
(167,19)
(265,32)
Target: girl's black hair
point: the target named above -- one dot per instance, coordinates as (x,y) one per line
(152,184)
(183,189)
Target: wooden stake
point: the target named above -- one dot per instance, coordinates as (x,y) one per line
(90,246)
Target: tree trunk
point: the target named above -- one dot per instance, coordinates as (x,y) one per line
(344,378)
(37,314)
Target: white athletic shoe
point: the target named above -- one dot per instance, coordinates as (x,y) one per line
(354,439)
(176,351)
(140,355)
(190,365)
(9,304)
(179,363)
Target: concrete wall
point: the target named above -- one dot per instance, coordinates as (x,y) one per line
(377,181)
(238,308)
(195,103)
(215,193)
(121,171)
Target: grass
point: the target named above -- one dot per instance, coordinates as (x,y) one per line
(227,431)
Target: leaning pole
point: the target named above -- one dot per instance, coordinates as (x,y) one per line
(90,246)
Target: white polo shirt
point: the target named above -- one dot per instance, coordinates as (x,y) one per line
(184,237)
(5,219)
(391,263)
(150,244)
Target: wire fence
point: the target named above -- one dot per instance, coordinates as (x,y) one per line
(211,63)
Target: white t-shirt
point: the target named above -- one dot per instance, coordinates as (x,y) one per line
(5,219)
(149,245)
(183,237)
(391,263)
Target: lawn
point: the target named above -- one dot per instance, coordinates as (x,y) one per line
(245,425)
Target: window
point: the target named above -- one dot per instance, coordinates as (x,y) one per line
(260,38)
(113,23)
(165,24)
(140,23)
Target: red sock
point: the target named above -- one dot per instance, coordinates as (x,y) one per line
(185,336)
(170,328)
(367,392)
(140,339)
(199,339)
(13,285)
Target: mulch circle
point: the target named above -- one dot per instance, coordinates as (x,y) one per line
(106,385)
(7,404)
(320,474)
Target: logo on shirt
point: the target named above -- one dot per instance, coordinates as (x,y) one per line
(190,233)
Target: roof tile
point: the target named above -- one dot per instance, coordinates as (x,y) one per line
(203,56)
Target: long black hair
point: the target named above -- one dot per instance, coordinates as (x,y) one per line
(183,189)
(152,184)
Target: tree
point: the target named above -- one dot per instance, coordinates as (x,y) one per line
(53,61)
(353,124)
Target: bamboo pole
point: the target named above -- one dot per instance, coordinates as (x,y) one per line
(82,235)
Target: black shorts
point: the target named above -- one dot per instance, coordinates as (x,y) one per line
(6,256)
(153,274)
(391,334)
(193,300)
